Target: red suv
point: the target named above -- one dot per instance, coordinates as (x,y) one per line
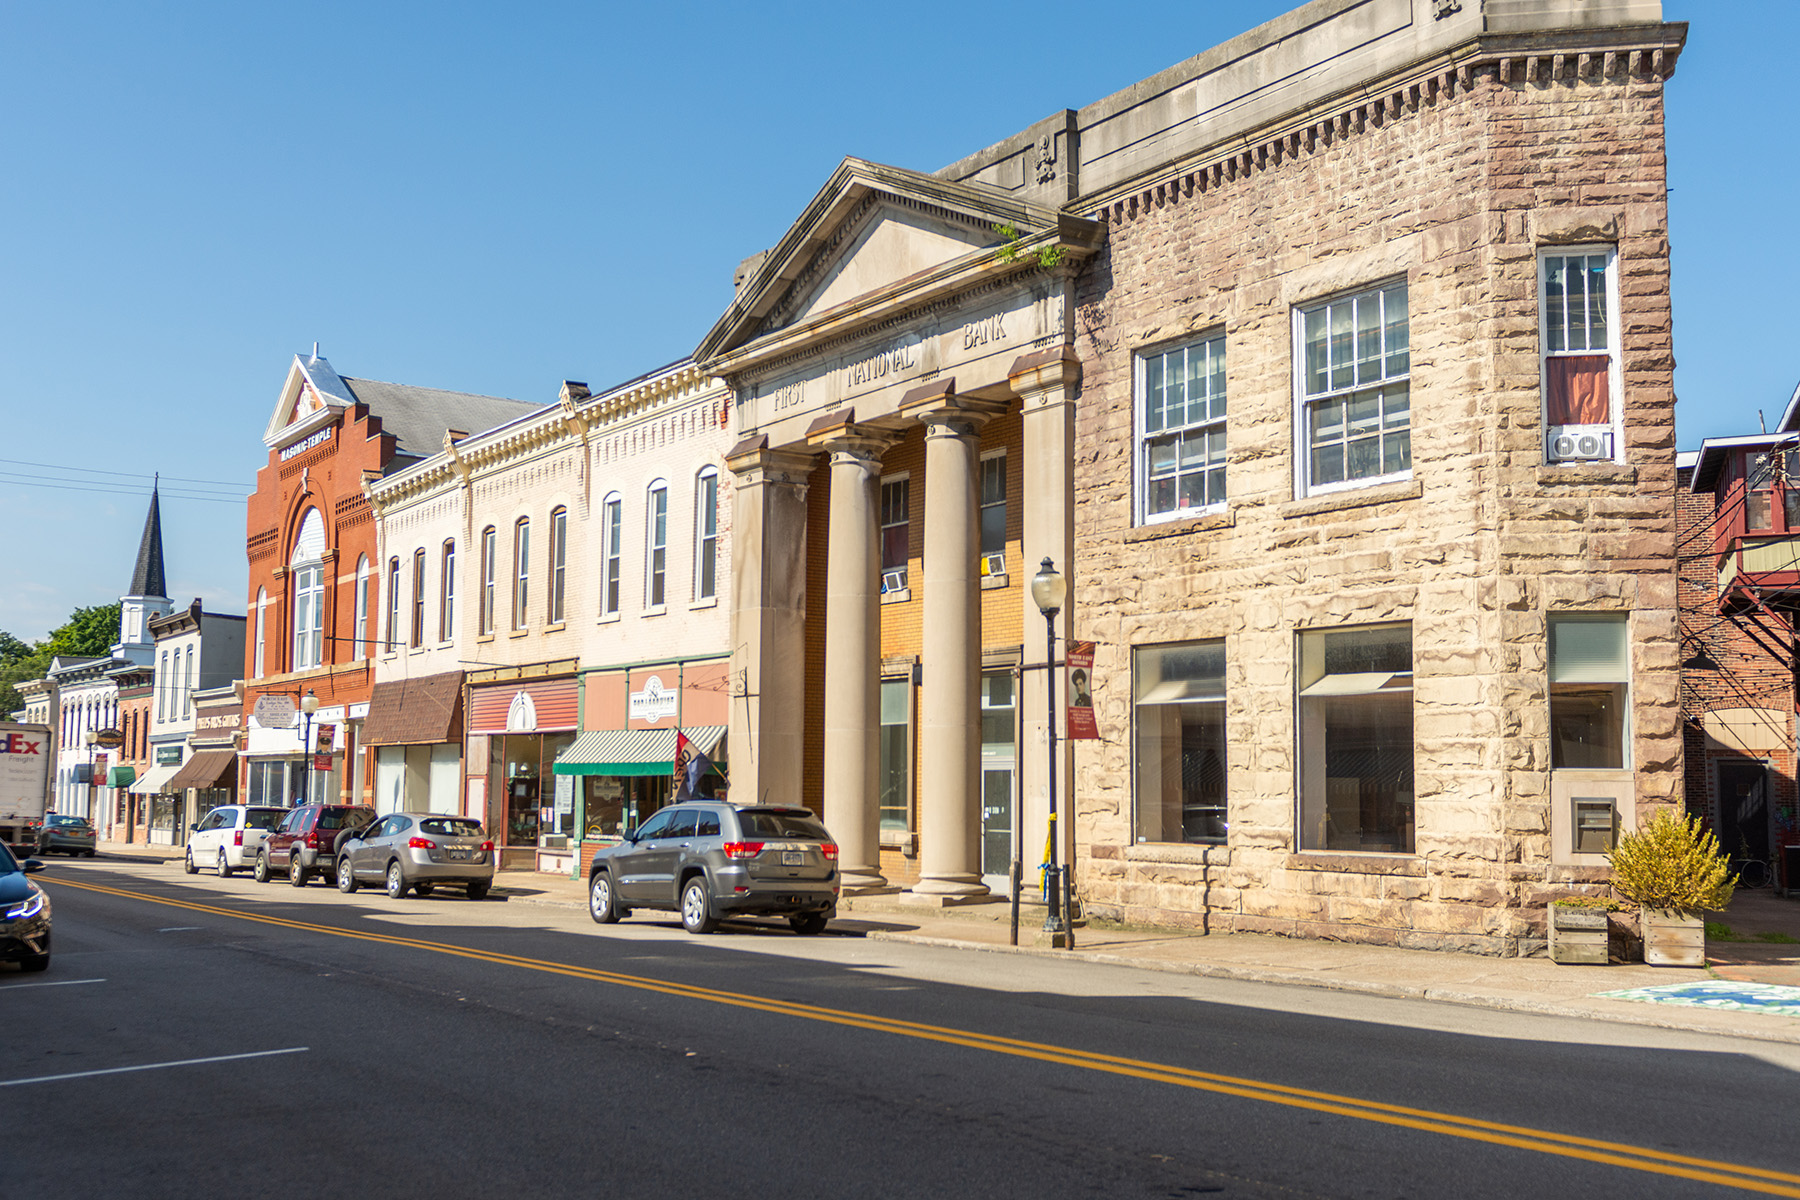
(306,843)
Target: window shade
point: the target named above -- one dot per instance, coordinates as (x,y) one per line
(1589,650)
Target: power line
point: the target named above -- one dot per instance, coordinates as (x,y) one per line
(19,462)
(121,491)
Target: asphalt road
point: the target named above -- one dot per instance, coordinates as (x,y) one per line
(198,1037)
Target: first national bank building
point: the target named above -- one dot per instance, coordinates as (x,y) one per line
(1332,367)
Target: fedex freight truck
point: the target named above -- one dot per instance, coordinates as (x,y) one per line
(24,782)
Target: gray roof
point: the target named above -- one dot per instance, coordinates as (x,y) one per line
(418,417)
(147,575)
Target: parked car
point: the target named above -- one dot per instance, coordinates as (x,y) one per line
(24,914)
(66,835)
(709,860)
(229,836)
(416,852)
(306,841)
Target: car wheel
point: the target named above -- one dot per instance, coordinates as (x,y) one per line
(423,889)
(260,872)
(37,962)
(603,906)
(396,882)
(478,891)
(297,872)
(346,877)
(808,924)
(87,854)
(187,862)
(696,907)
(224,867)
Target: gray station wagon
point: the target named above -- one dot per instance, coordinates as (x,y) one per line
(709,860)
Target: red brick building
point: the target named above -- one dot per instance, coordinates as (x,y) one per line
(315,583)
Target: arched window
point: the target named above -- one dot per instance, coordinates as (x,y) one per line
(393,618)
(447,593)
(309,591)
(262,609)
(418,599)
(360,636)
(657,528)
(488,569)
(521,571)
(611,526)
(559,556)
(706,534)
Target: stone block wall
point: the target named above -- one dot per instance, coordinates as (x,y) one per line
(1456,191)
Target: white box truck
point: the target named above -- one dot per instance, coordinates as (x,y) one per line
(24,782)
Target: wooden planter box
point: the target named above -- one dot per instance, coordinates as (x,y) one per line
(1673,939)
(1577,935)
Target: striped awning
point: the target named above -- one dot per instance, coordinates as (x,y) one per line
(632,751)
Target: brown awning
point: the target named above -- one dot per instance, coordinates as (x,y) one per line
(207,769)
(415,712)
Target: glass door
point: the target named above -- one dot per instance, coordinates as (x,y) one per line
(998,779)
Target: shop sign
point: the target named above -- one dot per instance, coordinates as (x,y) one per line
(169,755)
(319,438)
(653,703)
(275,711)
(229,719)
(1081,691)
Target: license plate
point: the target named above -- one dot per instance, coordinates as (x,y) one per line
(793,858)
(455,853)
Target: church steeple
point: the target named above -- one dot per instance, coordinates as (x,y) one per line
(147,576)
(148,596)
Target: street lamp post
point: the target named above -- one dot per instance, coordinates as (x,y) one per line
(309,704)
(92,738)
(1048,591)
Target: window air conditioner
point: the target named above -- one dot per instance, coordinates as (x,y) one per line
(893,581)
(1580,443)
(993,564)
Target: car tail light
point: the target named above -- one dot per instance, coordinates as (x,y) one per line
(742,849)
(420,844)
(487,847)
(312,838)
(829,850)
(237,839)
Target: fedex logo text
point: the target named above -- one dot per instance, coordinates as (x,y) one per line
(16,743)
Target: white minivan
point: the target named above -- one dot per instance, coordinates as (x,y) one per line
(229,836)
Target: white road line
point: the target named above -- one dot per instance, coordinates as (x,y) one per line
(186,1062)
(13,987)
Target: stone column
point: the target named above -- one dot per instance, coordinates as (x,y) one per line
(768,622)
(950,705)
(1046,383)
(853,655)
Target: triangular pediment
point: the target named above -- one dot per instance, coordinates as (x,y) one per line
(310,396)
(872,232)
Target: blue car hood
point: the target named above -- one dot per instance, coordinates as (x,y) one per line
(14,887)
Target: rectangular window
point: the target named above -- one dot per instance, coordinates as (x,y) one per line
(706,536)
(894,782)
(659,547)
(611,527)
(993,515)
(1772,491)
(1356,739)
(309,605)
(262,617)
(187,691)
(418,600)
(521,608)
(1181,430)
(360,634)
(162,690)
(1578,338)
(1355,366)
(393,619)
(559,559)
(447,594)
(1178,717)
(1590,678)
(896,533)
(487,580)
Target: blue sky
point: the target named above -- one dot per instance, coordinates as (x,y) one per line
(494,198)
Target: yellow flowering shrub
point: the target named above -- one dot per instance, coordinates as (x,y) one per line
(1671,863)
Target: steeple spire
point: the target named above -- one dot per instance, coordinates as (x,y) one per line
(147,577)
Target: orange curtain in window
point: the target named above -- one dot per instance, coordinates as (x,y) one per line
(1578,390)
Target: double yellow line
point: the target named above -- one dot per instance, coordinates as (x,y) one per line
(1616,1154)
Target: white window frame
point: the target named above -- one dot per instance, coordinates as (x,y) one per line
(309,615)
(262,623)
(1615,373)
(1305,401)
(162,690)
(490,546)
(881,528)
(416,633)
(393,621)
(447,591)
(559,561)
(360,629)
(983,505)
(706,535)
(187,691)
(656,546)
(612,534)
(1210,426)
(521,573)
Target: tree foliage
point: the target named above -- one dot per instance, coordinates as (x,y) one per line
(1671,863)
(88,633)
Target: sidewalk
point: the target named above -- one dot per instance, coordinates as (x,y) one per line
(1534,985)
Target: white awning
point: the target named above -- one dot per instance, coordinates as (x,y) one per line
(1183,691)
(151,782)
(1355,683)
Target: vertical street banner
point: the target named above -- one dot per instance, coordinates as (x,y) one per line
(1080,662)
(324,742)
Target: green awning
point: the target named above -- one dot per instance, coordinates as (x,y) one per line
(632,751)
(120,776)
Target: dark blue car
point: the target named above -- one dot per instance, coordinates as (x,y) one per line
(24,914)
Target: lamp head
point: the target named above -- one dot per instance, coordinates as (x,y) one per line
(1049,589)
(309,703)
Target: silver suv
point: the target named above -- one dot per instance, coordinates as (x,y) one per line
(709,860)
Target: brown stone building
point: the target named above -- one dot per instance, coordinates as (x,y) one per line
(1333,365)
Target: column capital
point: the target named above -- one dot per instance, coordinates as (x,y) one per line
(844,440)
(1037,374)
(937,405)
(753,462)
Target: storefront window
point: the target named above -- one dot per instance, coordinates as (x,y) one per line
(895,768)
(1356,739)
(1178,717)
(1590,670)
(536,807)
